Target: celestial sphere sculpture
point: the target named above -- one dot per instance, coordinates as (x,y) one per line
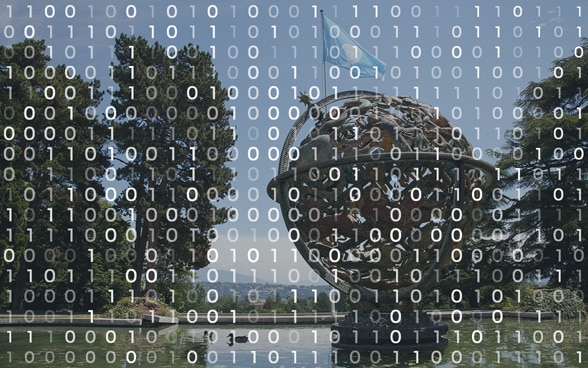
(379,192)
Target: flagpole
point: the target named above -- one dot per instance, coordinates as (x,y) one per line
(324,62)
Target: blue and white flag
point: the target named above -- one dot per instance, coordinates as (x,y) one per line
(341,50)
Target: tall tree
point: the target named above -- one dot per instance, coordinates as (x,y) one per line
(13,242)
(544,169)
(174,138)
(53,163)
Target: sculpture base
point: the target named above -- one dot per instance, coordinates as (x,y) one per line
(377,331)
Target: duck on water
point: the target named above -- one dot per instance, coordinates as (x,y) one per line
(208,335)
(236,339)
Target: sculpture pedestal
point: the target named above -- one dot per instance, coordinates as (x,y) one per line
(378,331)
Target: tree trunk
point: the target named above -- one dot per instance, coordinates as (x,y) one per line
(142,227)
(18,287)
(152,245)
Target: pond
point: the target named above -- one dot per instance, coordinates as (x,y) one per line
(481,343)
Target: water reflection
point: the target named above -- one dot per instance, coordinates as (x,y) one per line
(471,343)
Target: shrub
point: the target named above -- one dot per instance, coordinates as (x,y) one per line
(566,301)
(125,308)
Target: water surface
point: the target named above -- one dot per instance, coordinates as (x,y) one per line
(472,343)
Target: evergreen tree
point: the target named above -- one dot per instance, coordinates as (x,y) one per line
(12,225)
(173,138)
(52,163)
(544,172)
(323,303)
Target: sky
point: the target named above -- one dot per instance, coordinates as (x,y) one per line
(471,59)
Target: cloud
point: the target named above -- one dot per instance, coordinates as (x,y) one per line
(556,19)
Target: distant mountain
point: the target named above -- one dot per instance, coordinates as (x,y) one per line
(227,284)
(204,276)
(264,290)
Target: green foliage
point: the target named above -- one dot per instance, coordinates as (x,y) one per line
(302,305)
(544,160)
(171,112)
(543,182)
(269,305)
(564,303)
(523,297)
(137,307)
(171,106)
(55,169)
(15,223)
(323,303)
(559,301)
(181,292)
